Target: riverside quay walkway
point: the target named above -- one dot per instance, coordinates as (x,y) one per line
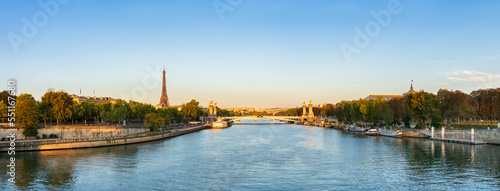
(472,136)
(40,145)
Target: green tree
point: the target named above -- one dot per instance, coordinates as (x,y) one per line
(104,110)
(369,110)
(90,110)
(191,110)
(139,110)
(3,110)
(328,110)
(344,111)
(57,105)
(120,110)
(388,114)
(77,111)
(406,120)
(46,105)
(364,109)
(357,110)
(26,112)
(423,106)
(436,121)
(30,132)
(153,121)
(223,112)
(169,114)
(376,107)
(293,111)
(62,105)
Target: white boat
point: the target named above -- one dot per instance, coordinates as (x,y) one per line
(219,125)
(373,132)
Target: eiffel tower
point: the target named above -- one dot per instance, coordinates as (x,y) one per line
(164,98)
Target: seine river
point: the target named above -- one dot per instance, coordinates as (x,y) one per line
(263,157)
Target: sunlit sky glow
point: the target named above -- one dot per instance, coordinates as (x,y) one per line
(262,54)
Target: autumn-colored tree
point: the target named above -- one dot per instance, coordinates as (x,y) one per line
(448,104)
(399,107)
(467,106)
(4,96)
(456,105)
(488,106)
(26,112)
(496,103)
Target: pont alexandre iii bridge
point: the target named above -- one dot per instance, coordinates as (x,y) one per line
(307,116)
(273,118)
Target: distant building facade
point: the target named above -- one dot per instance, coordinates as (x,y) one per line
(242,110)
(94,99)
(384,97)
(389,97)
(411,90)
(249,110)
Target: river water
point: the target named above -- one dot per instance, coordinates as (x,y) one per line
(262,157)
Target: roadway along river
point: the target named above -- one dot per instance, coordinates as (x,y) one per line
(263,157)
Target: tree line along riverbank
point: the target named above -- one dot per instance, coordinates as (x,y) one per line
(58,108)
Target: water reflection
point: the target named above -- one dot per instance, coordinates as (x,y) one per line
(443,164)
(58,169)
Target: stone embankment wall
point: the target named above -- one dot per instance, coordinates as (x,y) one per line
(77,132)
(38,145)
(492,135)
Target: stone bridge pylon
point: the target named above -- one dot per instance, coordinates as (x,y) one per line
(212,111)
(308,116)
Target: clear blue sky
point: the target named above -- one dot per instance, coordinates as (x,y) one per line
(263,53)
